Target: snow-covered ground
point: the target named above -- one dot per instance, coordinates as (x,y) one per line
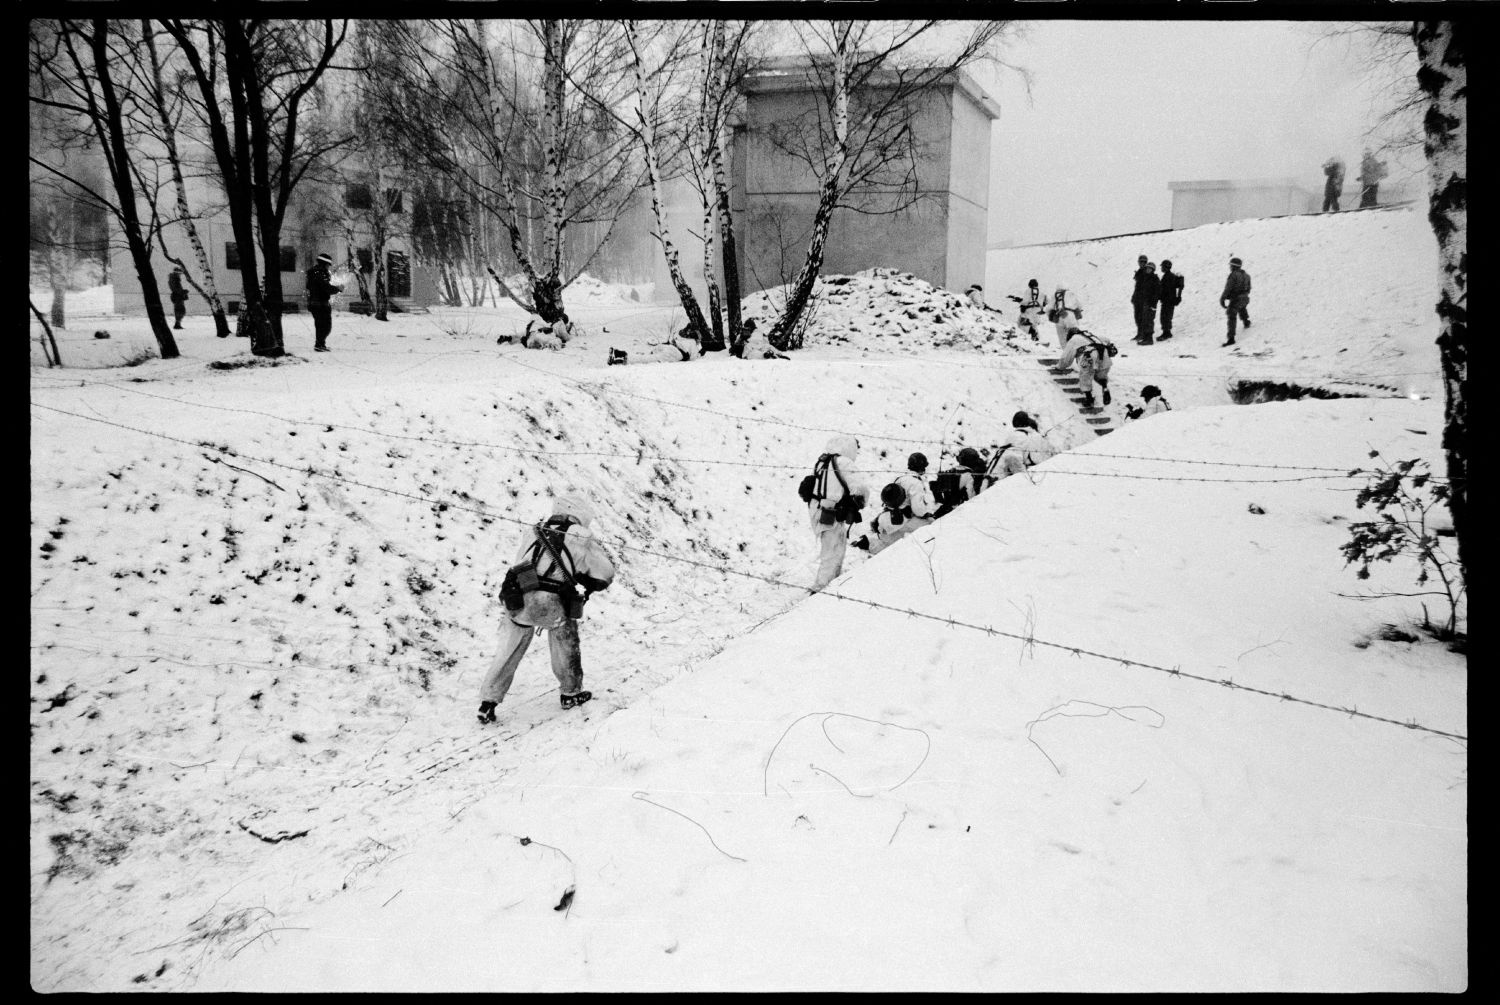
(253,758)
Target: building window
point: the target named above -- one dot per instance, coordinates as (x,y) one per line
(393,200)
(397,274)
(357,196)
(288,257)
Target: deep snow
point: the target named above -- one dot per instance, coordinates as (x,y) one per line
(254,765)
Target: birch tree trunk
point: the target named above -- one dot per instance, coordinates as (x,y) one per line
(546,299)
(55,279)
(801,287)
(207,288)
(379,208)
(351,254)
(645,114)
(710,98)
(548,296)
(1443,77)
(729,254)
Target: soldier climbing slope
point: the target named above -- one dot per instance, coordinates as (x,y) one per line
(559,566)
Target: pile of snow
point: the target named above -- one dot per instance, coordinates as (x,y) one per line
(588,291)
(891,311)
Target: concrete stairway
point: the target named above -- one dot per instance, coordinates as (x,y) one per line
(1098,419)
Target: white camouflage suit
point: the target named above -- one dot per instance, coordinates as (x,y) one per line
(1067,308)
(1093,358)
(833,538)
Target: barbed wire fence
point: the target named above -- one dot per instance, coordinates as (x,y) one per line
(640,455)
(721,568)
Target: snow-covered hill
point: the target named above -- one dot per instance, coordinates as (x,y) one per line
(254,764)
(1341,300)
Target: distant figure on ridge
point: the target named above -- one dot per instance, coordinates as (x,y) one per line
(1371,170)
(1143,298)
(1236,297)
(1171,296)
(1333,184)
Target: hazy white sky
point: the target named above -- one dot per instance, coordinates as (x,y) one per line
(1120,108)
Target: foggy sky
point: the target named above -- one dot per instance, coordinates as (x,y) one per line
(1120,108)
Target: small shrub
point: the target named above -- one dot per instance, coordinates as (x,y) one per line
(1404,495)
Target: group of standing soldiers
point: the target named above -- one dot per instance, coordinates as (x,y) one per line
(1165,290)
(1151,290)
(1371,171)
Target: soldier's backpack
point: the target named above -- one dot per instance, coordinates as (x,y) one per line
(947,487)
(1098,343)
(815,486)
(523,581)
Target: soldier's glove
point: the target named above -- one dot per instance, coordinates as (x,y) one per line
(863,544)
(1131,412)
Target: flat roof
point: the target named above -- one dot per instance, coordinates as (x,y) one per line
(792,73)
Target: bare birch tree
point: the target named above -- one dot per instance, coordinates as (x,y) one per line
(648,111)
(505,119)
(871,76)
(201,278)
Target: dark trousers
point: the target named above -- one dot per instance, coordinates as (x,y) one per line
(1145,321)
(1167,310)
(1237,309)
(179,309)
(1330,200)
(322,316)
(1369,195)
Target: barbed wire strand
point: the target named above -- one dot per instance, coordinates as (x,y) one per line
(722,569)
(692,460)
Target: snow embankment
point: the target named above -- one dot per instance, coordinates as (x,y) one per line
(228,646)
(851,798)
(1337,297)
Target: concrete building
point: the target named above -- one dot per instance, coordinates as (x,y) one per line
(939,237)
(314,224)
(1198,202)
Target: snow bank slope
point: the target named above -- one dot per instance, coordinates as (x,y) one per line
(1337,296)
(227,647)
(852,799)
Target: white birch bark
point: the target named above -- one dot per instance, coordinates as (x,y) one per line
(645,110)
(206,288)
